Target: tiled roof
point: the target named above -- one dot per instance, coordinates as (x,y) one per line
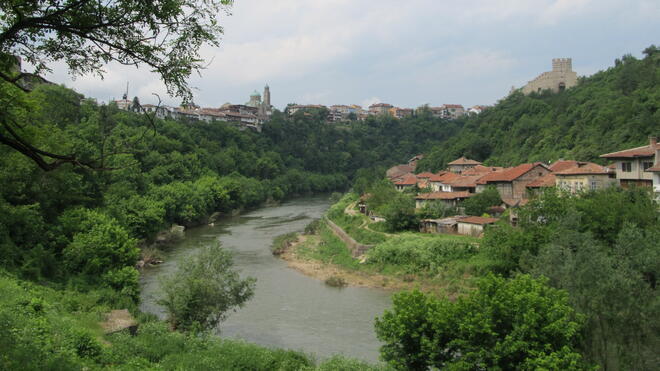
(464,161)
(425,174)
(399,170)
(644,151)
(654,169)
(464,181)
(438,177)
(452,106)
(510,174)
(584,168)
(443,195)
(479,220)
(408,179)
(480,170)
(447,176)
(560,165)
(548,180)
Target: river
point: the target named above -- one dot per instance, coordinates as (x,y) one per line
(289,310)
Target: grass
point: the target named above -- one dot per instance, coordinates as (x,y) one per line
(282,242)
(448,261)
(57,329)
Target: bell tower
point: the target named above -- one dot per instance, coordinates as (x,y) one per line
(266,101)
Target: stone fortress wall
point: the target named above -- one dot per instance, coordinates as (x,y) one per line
(560,78)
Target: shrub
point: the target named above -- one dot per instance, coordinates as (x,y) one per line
(282,242)
(336,281)
(203,289)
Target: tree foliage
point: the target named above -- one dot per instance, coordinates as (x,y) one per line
(203,289)
(622,101)
(507,324)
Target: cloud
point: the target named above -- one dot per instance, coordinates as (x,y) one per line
(369,101)
(405,52)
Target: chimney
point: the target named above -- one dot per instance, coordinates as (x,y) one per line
(653,141)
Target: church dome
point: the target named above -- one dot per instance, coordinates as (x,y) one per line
(255,94)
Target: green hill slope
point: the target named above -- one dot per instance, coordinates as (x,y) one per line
(611,110)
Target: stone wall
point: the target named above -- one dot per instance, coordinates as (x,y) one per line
(356,248)
(561,77)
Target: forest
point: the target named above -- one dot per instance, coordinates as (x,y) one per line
(610,110)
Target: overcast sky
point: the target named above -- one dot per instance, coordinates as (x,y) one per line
(403,52)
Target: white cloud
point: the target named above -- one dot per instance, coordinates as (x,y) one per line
(407,52)
(369,101)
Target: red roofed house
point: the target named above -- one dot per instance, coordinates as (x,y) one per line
(461,164)
(546,181)
(463,183)
(440,181)
(407,181)
(632,164)
(481,170)
(423,179)
(398,171)
(474,225)
(512,183)
(584,176)
(452,111)
(379,108)
(449,199)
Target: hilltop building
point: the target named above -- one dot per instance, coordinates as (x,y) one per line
(561,77)
(251,115)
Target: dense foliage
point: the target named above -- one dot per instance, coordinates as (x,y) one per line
(602,248)
(204,289)
(611,110)
(513,324)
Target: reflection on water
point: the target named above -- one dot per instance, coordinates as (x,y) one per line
(288,310)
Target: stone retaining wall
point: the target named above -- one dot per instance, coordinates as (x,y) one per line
(356,248)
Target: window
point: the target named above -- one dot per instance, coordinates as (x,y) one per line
(647,164)
(626,167)
(594,185)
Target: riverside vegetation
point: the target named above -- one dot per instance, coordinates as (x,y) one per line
(573,286)
(83,186)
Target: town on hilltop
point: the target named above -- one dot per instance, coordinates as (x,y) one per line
(254,113)
(464,178)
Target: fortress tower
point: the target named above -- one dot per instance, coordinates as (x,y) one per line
(267,96)
(561,77)
(562,65)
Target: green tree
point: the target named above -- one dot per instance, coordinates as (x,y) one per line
(203,289)
(507,324)
(479,203)
(164,36)
(99,245)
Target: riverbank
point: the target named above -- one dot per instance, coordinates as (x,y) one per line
(305,255)
(447,265)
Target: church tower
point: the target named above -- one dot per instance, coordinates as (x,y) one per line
(267,97)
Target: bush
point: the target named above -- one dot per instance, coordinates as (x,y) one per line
(507,324)
(313,227)
(203,289)
(282,242)
(101,245)
(336,281)
(125,280)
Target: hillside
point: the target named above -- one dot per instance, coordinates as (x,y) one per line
(610,110)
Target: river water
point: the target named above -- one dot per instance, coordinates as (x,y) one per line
(289,310)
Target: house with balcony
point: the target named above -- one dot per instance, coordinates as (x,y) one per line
(632,165)
(584,176)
